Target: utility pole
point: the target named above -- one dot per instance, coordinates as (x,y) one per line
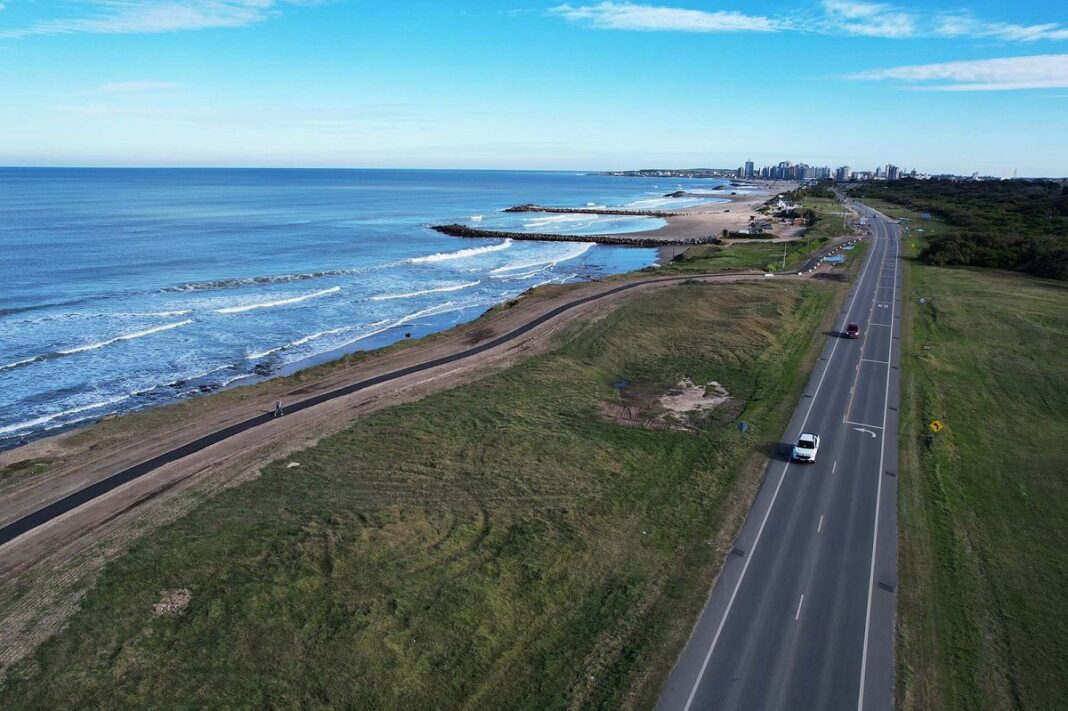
(784,255)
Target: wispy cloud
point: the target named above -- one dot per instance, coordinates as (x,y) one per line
(1044,71)
(831,17)
(154,16)
(968,26)
(629,16)
(866,19)
(133,87)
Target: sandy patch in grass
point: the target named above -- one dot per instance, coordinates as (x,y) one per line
(682,407)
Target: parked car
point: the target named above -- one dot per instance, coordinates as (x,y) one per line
(807,446)
(852,330)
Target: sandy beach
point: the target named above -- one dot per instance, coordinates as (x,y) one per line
(684,227)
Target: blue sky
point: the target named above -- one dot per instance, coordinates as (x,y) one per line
(939,85)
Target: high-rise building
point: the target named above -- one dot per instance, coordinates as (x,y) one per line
(892,172)
(749,169)
(843,174)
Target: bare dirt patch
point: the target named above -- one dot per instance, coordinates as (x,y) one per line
(685,406)
(172,602)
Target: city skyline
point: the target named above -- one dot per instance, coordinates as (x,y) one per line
(580,86)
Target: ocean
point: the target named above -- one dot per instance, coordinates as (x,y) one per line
(122,289)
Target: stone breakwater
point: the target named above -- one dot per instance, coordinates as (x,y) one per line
(590,211)
(458,230)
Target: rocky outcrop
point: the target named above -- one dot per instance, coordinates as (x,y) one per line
(458,230)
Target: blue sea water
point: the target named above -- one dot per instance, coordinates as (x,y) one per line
(124,289)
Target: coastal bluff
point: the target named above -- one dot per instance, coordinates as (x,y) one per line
(458,230)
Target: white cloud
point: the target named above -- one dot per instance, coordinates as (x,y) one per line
(866,19)
(968,26)
(629,16)
(130,87)
(153,16)
(1044,71)
(830,17)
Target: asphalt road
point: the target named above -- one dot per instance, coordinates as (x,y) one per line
(802,616)
(65,504)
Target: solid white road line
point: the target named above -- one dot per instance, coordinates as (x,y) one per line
(872,360)
(820,526)
(774,496)
(878,499)
(799,604)
(834,466)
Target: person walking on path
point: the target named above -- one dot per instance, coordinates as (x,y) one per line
(278,408)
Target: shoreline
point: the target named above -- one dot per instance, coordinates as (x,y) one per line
(708,223)
(686,227)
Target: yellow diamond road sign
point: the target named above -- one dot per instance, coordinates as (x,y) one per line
(937,426)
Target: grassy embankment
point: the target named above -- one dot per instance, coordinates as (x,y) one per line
(498,545)
(745,256)
(983,505)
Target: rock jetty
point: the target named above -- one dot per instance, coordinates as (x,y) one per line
(531,207)
(458,230)
(684,194)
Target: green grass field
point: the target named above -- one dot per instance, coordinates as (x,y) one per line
(832,220)
(983,607)
(497,545)
(745,256)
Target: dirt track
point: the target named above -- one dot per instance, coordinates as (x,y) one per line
(45,570)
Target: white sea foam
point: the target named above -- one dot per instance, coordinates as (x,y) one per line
(124,337)
(576,251)
(196,376)
(234,379)
(461,254)
(36,422)
(17,363)
(581,219)
(133,314)
(524,275)
(447,307)
(279,302)
(298,342)
(439,290)
(181,312)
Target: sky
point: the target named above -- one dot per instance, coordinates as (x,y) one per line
(940,85)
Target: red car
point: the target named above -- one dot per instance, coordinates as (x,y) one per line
(852,330)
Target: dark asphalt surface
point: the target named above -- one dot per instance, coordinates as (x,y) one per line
(802,616)
(68,503)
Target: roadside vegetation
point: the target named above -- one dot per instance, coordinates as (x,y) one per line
(1018,225)
(746,256)
(983,504)
(502,544)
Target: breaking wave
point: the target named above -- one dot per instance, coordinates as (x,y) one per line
(94,346)
(577,251)
(279,302)
(252,281)
(45,419)
(460,254)
(412,294)
(375,329)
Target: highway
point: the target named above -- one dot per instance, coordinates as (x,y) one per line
(802,616)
